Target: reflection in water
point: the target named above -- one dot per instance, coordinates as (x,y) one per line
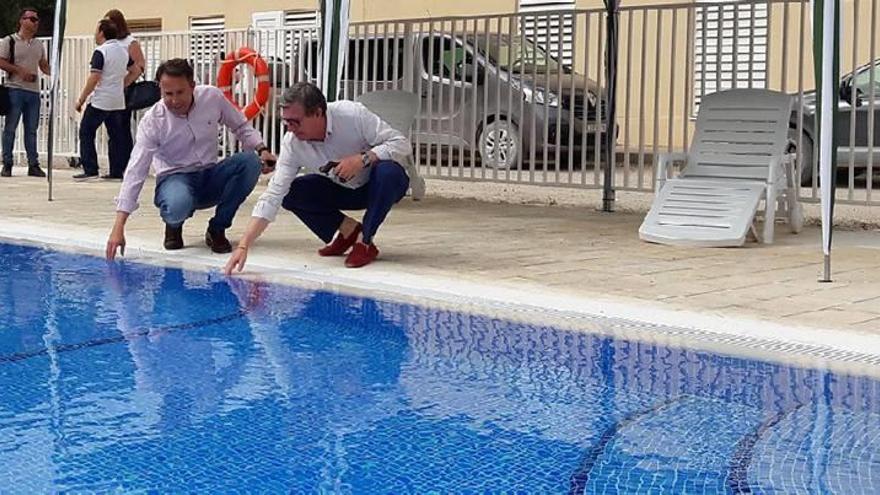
(129,377)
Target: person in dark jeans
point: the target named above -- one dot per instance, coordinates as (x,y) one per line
(137,56)
(21,55)
(177,139)
(111,70)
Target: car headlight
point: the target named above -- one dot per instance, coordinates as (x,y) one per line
(540,97)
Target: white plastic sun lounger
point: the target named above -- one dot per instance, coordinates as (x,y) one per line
(737,160)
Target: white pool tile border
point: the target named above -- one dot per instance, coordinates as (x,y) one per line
(641,320)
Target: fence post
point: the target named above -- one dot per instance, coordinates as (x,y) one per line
(612,15)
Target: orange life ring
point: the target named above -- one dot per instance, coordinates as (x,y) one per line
(261,71)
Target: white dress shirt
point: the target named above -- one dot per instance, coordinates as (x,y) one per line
(351,129)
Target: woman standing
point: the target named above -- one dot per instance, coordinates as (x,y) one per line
(137,55)
(111,69)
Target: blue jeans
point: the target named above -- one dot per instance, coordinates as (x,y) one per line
(22,103)
(316,200)
(225,185)
(118,124)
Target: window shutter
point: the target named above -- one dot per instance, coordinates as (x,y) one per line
(550,32)
(730,47)
(207,38)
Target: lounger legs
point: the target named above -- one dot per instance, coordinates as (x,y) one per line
(769,216)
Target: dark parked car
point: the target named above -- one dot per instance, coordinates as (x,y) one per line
(855,92)
(498,94)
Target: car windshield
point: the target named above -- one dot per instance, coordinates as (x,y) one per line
(862,80)
(518,56)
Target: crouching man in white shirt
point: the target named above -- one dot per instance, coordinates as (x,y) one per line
(354,163)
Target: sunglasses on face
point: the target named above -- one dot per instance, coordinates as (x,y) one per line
(31,18)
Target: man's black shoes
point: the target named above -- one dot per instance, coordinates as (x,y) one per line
(217,241)
(173,237)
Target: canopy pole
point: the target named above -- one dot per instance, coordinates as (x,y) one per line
(827,277)
(60,20)
(826,44)
(612,13)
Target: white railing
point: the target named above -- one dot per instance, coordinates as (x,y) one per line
(495,106)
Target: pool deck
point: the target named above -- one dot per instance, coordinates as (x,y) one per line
(583,258)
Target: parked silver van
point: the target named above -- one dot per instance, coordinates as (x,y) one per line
(502,99)
(854,135)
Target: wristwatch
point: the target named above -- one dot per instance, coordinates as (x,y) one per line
(366,160)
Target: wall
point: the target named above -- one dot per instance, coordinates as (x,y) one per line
(175,14)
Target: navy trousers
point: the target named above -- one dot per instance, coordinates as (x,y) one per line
(118,124)
(317,200)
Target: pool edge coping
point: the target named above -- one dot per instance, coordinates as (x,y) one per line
(833,348)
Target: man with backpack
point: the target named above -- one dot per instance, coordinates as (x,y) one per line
(21,55)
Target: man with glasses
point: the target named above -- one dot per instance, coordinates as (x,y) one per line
(354,159)
(21,55)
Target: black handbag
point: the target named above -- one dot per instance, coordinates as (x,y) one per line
(142,94)
(4,91)
(4,100)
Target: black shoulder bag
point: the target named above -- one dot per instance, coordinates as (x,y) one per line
(142,94)
(4,91)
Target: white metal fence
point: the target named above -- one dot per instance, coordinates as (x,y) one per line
(497,105)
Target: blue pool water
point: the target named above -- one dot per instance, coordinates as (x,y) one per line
(127,377)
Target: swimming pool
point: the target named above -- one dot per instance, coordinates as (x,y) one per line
(132,377)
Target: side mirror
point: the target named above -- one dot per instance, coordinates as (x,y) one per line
(851,95)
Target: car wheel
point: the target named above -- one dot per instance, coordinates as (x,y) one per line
(806,156)
(499,144)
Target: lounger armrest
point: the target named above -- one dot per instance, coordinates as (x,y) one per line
(781,168)
(663,161)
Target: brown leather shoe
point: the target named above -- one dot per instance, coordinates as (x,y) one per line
(217,241)
(173,237)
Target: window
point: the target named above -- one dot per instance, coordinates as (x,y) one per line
(730,47)
(553,32)
(278,32)
(207,39)
(862,81)
(444,58)
(517,56)
(299,25)
(374,59)
(297,19)
(150,25)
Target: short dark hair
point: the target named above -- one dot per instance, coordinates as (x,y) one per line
(306,94)
(21,13)
(27,8)
(108,29)
(176,67)
(116,16)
